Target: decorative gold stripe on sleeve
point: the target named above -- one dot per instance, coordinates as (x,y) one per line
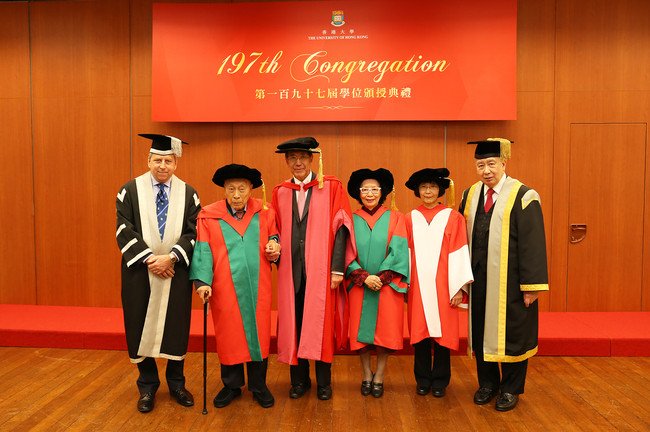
(509,359)
(533,287)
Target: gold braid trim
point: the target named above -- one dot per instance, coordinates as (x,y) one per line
(451,197)
(320,169)
(264,206)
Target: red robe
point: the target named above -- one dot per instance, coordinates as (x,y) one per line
(236,344)
(389,330)
(329,209)
(442,251)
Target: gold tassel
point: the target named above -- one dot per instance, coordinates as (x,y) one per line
(393,204)
(320,168)
(451,194)
(505,147)
(264,206)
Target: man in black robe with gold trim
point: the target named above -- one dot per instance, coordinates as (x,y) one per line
(156,232)
(508,253)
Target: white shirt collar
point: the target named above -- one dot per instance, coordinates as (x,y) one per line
(305,181)
(497,188)
(155,182)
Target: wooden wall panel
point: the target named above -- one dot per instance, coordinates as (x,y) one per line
(80,64)
(601,77)
(645,287)
(536,45)
(17,268)
(603,45)
(141,27)
(590,107)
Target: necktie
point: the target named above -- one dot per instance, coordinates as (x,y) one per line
(239,214)
(301,200)
(489,201)
(162,204)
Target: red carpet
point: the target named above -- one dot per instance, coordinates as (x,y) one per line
(560,333)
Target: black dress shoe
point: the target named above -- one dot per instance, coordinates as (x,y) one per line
(422,390)
(297,391)
(484,395)
(146,402)
(506,401)
(264,398)
(183,396)
(225,396)
(366,387)
(324,393)
(438,392)
(377,389)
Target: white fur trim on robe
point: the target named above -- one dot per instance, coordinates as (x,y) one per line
(154,324)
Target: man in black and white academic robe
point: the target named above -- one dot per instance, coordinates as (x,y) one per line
(156,232)
(508,254)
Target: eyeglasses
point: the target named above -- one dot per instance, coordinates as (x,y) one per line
(293,159)
(366,191)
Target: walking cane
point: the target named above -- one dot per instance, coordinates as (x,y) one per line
(205,353)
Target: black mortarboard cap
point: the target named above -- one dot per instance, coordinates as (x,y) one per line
(165,144)
(492,147)
(236,171)
(438,176)
(382,175)
(306,144)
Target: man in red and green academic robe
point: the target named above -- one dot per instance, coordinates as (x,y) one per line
(236,243)
(505,228)
(440,275)
(156,228)
(314,222)
(377,279)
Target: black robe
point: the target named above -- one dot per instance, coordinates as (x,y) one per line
(513,262)
(156,311)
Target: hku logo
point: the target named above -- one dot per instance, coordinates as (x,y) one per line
(338,18)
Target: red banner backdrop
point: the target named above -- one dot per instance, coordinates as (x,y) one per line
(335,61)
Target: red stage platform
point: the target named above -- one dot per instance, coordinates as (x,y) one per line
(560,333)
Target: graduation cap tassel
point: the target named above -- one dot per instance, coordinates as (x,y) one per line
(393,203)
(320,168)
(451,195)
(177,146)
(264,206)
(504,147)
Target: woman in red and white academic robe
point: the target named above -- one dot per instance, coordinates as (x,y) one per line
(440,274)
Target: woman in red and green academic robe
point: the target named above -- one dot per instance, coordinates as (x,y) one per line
(377,279)
(236,242)
(440,274)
